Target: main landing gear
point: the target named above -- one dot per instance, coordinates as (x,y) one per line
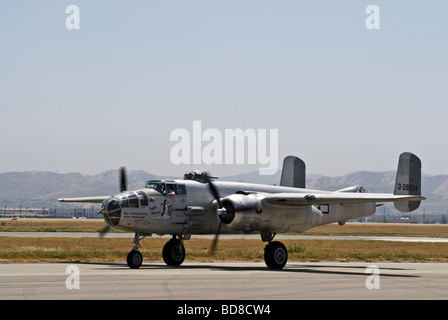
(275,253)
(173,252)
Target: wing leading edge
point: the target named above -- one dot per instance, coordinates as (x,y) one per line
(98,199)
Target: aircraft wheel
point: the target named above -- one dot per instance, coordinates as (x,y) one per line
(173,252)
(134,259)
(275,255)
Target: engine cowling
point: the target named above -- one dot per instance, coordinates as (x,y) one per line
(243,212)
(354,189)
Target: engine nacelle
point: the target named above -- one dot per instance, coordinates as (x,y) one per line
(243,212)
(354,189)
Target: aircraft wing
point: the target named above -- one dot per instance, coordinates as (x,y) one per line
(84,199)
(301,200)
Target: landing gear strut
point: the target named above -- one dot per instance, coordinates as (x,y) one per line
(135,258)
(275,253)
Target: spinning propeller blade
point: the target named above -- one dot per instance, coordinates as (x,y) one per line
(215,240)
(123,180)
(220,211)
(103,231)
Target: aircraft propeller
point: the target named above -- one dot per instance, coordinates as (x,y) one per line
(104,231)
(123,180)
(221,211)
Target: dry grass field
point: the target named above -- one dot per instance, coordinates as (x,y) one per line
(50,225)
(350,229)
(28,249)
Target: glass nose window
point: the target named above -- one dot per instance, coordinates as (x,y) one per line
(124,202)
(113,212)
(133,200)
(129,200)
(143,198)
(113,206)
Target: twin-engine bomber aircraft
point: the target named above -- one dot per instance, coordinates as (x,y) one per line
(201,205)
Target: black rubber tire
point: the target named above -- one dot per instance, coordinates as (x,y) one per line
(173,253)
(134,259)
(275,255)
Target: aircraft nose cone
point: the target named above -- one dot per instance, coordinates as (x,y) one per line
(111,211)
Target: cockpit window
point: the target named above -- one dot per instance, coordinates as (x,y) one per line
(158,186)
(168,188)
(143,198)
(181,190)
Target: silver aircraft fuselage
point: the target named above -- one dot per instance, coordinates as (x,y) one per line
(191,209)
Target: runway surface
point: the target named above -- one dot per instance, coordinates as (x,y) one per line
(224,280)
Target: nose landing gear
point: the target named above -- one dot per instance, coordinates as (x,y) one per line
(135,258)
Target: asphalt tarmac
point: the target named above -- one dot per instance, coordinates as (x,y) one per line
(224,280)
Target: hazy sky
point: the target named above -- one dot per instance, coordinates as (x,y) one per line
(342,97)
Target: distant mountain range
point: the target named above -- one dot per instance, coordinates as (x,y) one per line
(38,189)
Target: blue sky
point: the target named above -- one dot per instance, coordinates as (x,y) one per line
(343,98)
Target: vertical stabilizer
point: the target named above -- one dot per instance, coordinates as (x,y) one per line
(293,172)
(408,181)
